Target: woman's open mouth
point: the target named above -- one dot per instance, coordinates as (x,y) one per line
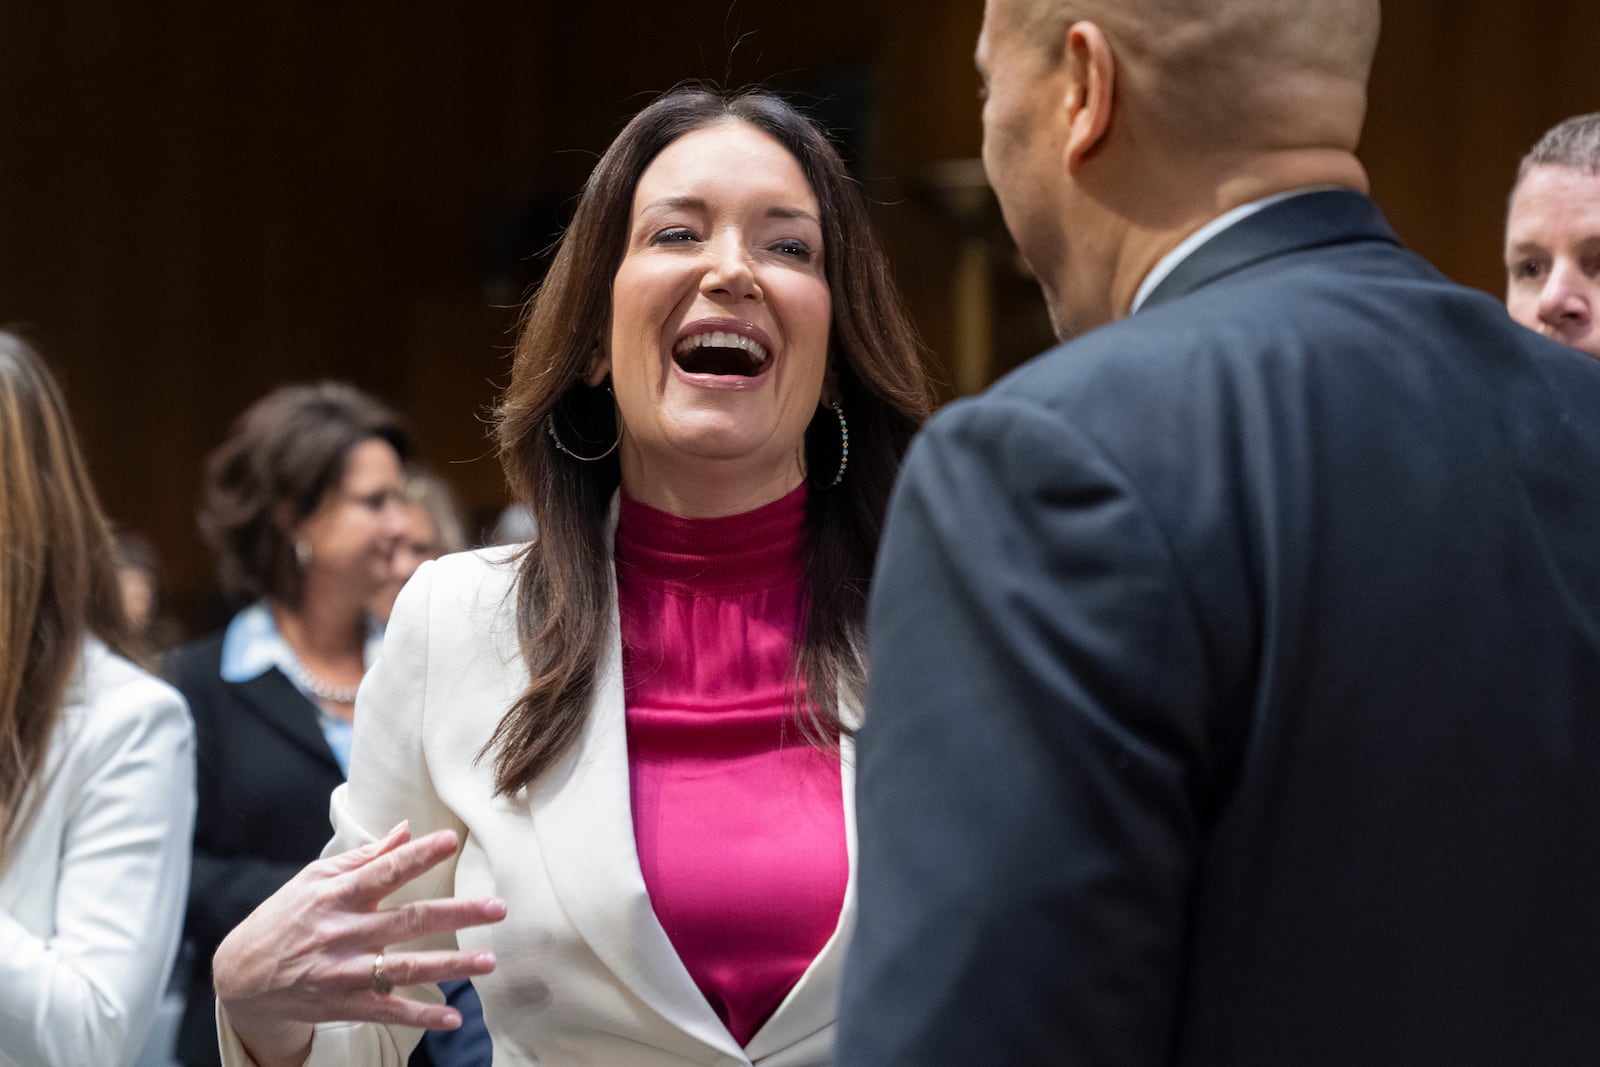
(720,352)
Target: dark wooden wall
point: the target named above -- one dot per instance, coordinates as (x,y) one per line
(200,201)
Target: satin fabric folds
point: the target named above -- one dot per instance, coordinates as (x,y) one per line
(739,822)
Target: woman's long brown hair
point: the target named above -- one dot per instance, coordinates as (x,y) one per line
(58,573)
(564,590)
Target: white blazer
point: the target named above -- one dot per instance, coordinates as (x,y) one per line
(586,974)
(92,896)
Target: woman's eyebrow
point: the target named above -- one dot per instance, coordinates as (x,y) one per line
(695,203)
(792,213)
(675,203)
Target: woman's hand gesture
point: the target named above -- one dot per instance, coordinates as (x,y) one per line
(314,950)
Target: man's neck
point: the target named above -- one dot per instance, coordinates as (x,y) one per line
(1210,196)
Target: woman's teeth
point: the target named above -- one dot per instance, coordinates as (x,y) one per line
(718,352)
(718,339)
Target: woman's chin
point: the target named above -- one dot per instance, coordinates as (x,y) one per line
(714,436)
(732,447)
(726,459)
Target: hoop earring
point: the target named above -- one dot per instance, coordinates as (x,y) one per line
(844,445)
(550,428)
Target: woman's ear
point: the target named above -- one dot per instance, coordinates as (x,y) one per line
(283,519)
(831,393)
(599,368)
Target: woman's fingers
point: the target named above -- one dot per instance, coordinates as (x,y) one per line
(417,1015)
(418,968)
(348,993)
(422,918)
(308,953)
(365,885)
(365,853)
(352,859)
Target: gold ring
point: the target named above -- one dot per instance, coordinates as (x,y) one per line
(380,983)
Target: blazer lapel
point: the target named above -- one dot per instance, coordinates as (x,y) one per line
(813,1003)
(273,698)
(1309,220)
(583,815)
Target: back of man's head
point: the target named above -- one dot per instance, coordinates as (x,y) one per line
(1235,75)
(1114,128)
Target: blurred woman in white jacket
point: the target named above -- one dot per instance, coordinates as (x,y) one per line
(96,760)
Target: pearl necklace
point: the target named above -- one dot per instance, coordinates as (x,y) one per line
(334,694)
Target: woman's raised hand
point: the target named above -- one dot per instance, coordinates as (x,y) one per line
(310,952)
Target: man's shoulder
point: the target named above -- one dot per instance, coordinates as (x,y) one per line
(1270,323)
(1150,358)
(1368,339)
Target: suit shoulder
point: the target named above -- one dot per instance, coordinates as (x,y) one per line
(1363,296)
(116,700)
(458,601)
(478,578)
(1315,323)
(194,660)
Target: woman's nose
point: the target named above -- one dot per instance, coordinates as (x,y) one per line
(394,518)
(729,270)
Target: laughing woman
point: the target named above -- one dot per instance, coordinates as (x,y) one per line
(630,739)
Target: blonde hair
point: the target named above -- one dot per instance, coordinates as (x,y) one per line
(431,493)
(58,572)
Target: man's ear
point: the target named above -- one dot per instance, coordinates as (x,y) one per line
(1091,90)
(599,368)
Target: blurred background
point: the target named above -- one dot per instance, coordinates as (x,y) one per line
(200,201)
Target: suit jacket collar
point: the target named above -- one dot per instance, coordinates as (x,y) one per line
(1310,220)
(255,662)
(252,643)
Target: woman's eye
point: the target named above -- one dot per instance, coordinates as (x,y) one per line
(374,502)
(791,247)
(676,235)
(1527,268)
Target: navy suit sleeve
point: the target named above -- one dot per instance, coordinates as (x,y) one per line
(467,1046)
(1028,768)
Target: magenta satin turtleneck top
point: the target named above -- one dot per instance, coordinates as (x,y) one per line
(739,822)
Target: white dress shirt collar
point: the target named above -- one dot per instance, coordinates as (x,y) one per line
(1185,248)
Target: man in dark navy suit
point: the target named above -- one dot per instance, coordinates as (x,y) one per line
(1236,665)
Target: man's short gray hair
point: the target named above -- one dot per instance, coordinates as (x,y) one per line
(1573,142)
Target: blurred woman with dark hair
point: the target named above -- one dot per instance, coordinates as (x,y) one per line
(301,506)
(96,759)
(710,397)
